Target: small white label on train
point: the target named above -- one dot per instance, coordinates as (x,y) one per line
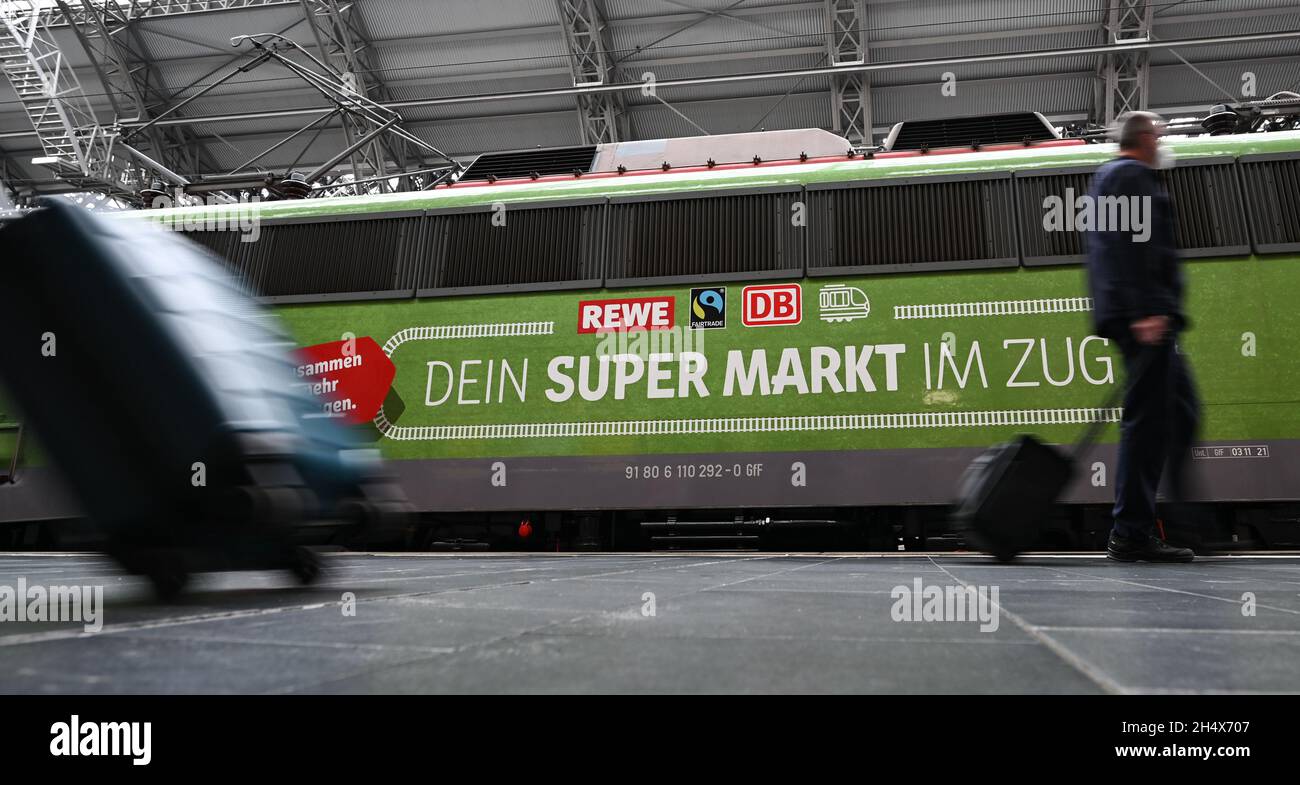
(1232,451)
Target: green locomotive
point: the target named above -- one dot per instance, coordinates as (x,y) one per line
(625,350)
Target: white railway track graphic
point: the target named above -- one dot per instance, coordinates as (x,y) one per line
(832,422)
(993,308)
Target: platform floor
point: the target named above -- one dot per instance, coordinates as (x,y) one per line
(721,623)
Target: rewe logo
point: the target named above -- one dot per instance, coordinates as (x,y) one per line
(634,313)
(122,739)
(771,305)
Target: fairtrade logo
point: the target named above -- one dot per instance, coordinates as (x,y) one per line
(840,303)
(771,305)
(709,308)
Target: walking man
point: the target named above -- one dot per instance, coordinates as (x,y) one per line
(1137,291)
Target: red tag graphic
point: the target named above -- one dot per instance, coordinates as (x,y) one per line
(351,386)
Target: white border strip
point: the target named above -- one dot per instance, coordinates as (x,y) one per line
(444,332)
(993,308)
(451,331)
(831,422)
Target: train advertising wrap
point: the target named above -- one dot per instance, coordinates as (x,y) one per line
(754,379)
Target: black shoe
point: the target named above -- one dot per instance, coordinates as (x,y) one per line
(1151,549)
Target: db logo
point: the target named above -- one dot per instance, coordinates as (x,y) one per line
(771,305)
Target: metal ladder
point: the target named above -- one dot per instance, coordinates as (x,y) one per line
(52,96)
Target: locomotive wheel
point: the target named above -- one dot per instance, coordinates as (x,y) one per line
(261,506)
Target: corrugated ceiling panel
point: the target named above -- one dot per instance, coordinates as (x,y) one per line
(632,9)
(447,56)
(717,35)
(799,110)
(201,35)
(405,18)
(901,19)
(1059,94)
(1178,85)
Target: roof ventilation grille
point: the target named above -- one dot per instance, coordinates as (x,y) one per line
(526,163)
(979,130)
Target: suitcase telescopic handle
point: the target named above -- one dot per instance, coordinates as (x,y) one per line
(1146,356)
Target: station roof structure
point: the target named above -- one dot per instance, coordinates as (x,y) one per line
(470,77)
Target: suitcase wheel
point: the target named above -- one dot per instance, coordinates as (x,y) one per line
(167,582)
(167,569)
(305,565)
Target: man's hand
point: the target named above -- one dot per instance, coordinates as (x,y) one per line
(1151,330)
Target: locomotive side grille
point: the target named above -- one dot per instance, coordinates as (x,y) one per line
(220,243)
(308,260)
(883,227)
(523,246)
(1207,210)
(1037,244)
(1206,199)
(1272,191)
(719,236)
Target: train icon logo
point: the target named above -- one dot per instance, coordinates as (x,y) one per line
(840,303)
(709,308)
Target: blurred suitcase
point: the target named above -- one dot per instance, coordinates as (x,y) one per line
(167,398)
(1004,496)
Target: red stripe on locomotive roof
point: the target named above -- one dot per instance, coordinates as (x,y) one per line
(555,178)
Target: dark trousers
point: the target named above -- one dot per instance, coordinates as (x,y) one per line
(1161,414)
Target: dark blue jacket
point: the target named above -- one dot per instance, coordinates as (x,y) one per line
(1129,279)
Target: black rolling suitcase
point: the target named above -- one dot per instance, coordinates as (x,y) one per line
(168,399)
(1004,496)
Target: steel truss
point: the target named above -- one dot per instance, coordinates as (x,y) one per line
(345,46)
(1124,74)
(112,40)
(370,127)
(585,35)
(846,45)
(74,14)
(78,149)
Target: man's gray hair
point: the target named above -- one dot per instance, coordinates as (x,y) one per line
(1133,124)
